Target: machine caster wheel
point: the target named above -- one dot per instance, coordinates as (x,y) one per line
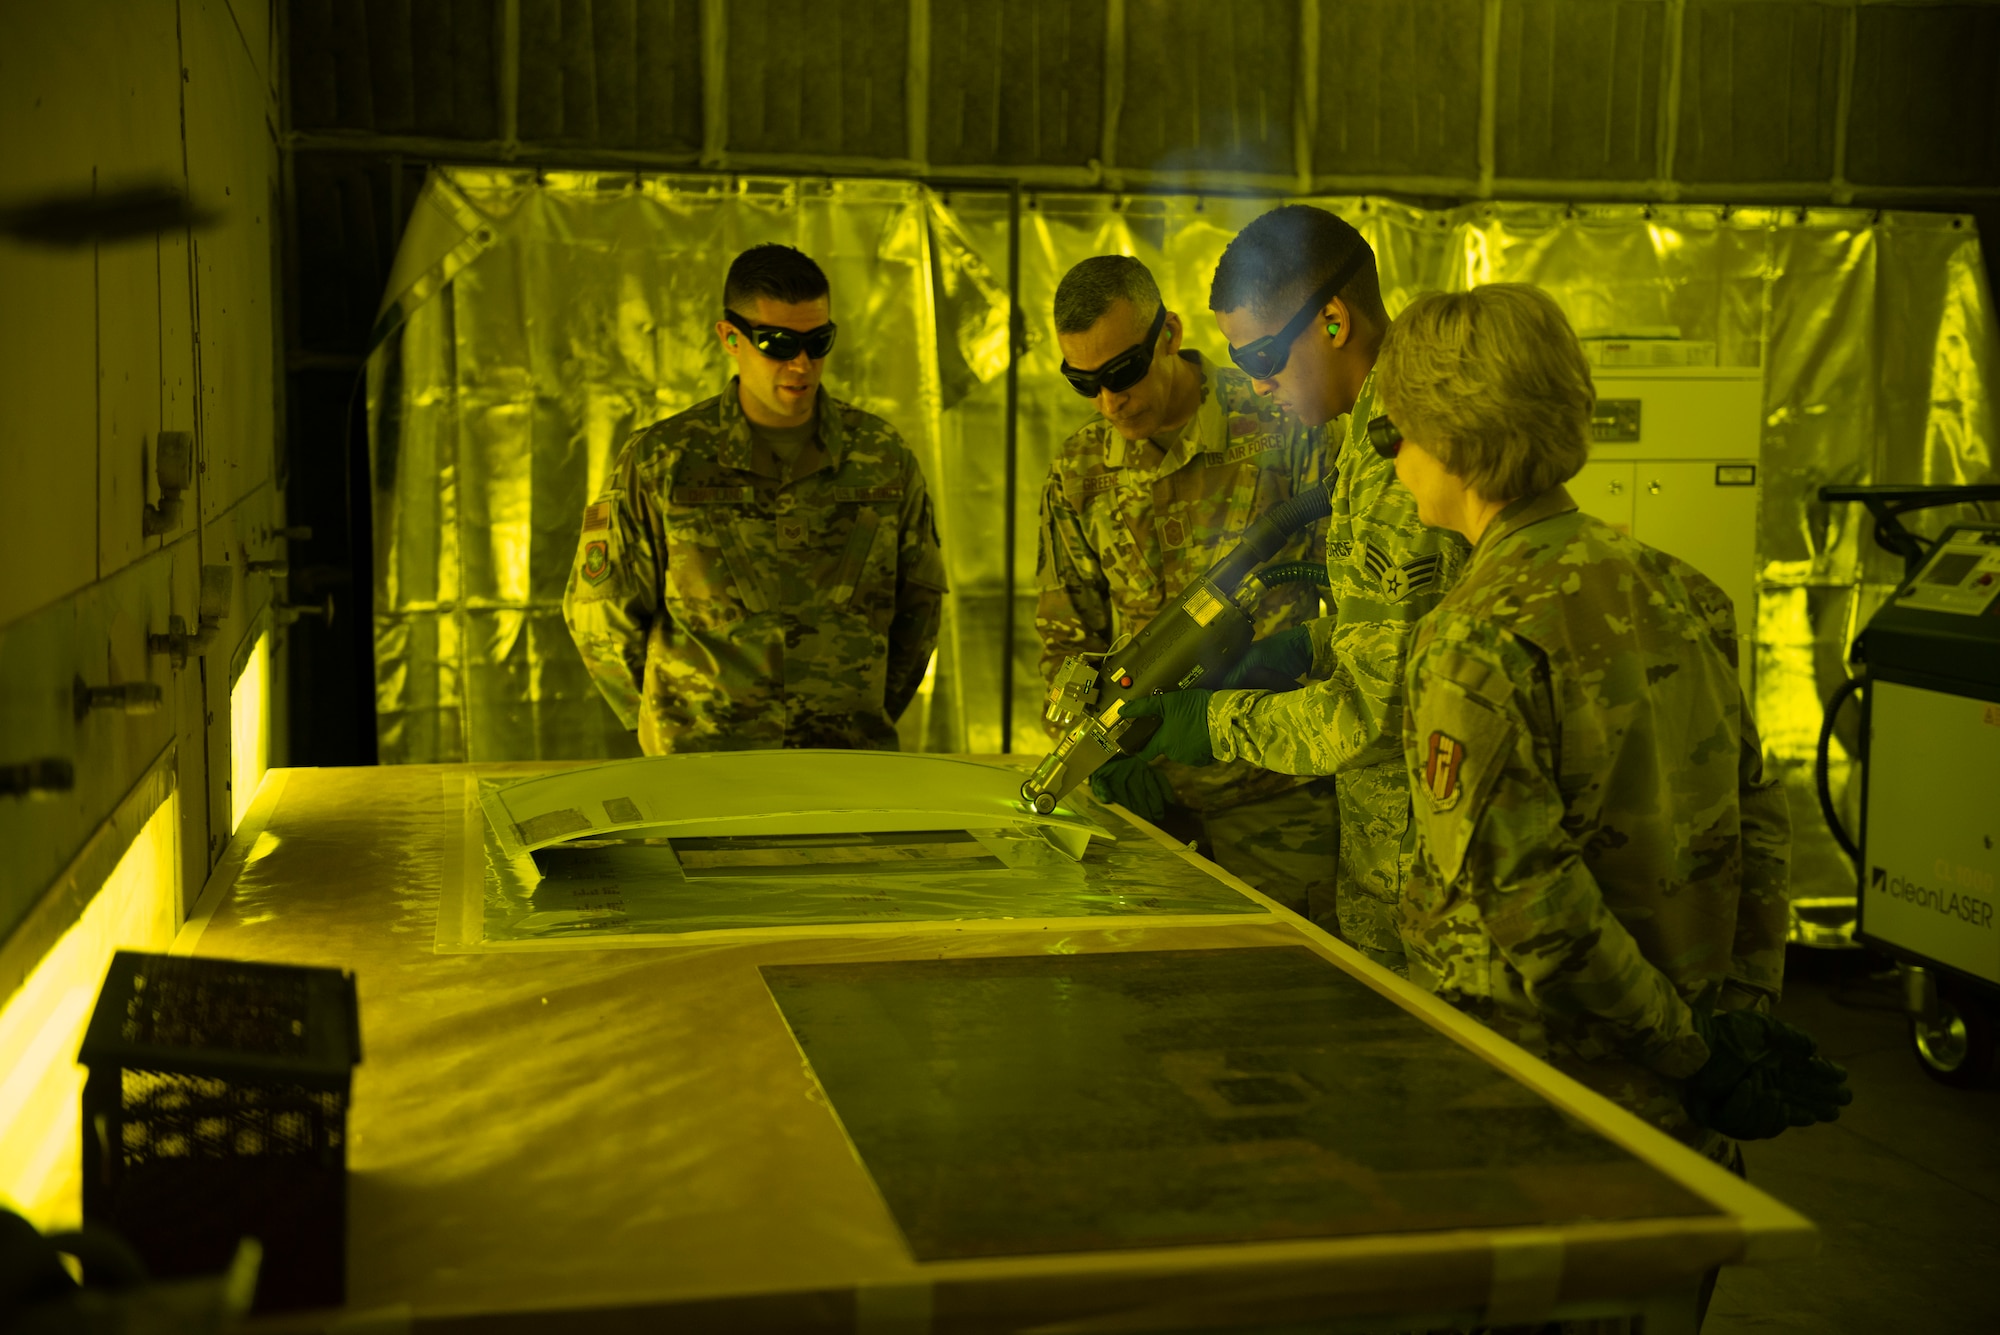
(1957,1049)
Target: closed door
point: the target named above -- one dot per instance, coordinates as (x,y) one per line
(1603,490)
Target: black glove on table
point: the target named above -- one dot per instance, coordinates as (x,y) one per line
(1762,1075)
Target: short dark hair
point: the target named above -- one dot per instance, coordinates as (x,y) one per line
(1274,265)
(1088,289)
(771,270)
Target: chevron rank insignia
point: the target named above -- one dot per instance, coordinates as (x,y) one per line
(1400,581)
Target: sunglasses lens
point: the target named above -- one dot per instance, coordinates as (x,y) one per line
(1255,360)
(819,342)
(1083,382)
(1124,372)
(779,347)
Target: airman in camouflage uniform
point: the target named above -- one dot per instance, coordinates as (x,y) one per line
(1120,536)
(724,602)
(1602,860)
(1384,571)
(1600,847)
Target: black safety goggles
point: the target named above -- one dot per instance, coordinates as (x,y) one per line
(1385,436)
(1262,358)
(781,344)
(1125,370)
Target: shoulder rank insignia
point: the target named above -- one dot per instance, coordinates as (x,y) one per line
(596,560)
(1400,581)
(1442,760)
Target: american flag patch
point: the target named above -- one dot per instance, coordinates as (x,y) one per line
(597,515)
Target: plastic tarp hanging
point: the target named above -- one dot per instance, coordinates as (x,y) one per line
(534,321)
(1875,333)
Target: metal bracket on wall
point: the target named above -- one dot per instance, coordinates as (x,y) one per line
(128,697)
(217,584)
(173,453)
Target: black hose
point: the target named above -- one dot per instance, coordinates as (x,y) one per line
(1821,779)
(1263,538)
(1294,572)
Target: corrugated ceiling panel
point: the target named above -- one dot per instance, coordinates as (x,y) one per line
(1579,89)
(1209,87)
(1926,108)
(1017,82)
(1760,92)
(611,73)
(424,67)
(829,76)
(1399,88)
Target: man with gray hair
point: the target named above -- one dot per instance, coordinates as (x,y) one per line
(1181,458)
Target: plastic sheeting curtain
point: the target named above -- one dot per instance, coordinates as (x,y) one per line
(533,323)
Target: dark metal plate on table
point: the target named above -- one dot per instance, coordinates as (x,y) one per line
(1059,1103)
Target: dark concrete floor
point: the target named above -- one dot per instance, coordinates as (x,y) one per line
(1905,1187)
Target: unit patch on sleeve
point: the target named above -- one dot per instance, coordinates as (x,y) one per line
(1443,757)
(1400,581)
(596,560)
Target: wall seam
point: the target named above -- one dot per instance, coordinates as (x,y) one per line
(714,83)
(1850,28)
(1489,96)
(1114,87)
(1305,109)
(1672,70)
(917,96)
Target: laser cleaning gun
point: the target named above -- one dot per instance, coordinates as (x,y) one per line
(1200,634)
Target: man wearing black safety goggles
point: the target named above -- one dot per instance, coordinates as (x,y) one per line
(762,568)
(1299,299)
(781,344)
(1180,458)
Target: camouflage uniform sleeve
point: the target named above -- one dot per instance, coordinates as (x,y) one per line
(1385,570)
(1489,815)
(920,590)
(1350,715)
(613,595)
(1763,911)
(1073,611)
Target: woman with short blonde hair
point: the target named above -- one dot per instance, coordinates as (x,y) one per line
(1601,859)
(1496,382)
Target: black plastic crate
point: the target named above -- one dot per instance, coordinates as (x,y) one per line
(216,1109)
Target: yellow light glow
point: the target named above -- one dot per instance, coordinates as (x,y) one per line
(249,730)
(41,1026)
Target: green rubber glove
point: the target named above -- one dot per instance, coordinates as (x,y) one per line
(1134,785)
(1183,732)
(1762,1075)
(1274,663)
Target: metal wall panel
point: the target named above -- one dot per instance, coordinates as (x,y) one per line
(611,73)
(1579,89)
(1399,88)
(1209,87)
(1760,92)
(1016,82)
(396,66)
(1926,106)
(829,77)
